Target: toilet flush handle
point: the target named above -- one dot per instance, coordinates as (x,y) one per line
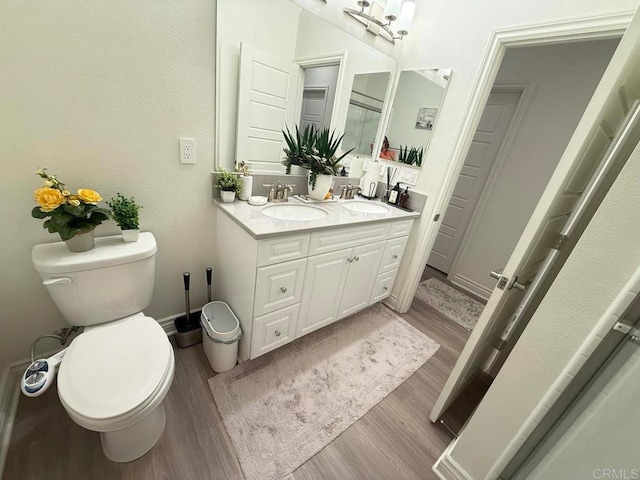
(57,281)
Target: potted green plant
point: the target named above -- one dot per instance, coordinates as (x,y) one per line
(298,148)
(125,213)
(323,164)
(72,216)
(229,184)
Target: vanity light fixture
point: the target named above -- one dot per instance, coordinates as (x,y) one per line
(401,11)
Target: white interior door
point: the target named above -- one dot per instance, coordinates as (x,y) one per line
(266,104)
(605,115)
(314,107)
(486,143)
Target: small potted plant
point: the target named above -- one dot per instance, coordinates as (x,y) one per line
(229,184)
(125,213)
(323,164)
(299,146)
(73,216)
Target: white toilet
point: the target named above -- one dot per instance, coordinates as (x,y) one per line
(114,376)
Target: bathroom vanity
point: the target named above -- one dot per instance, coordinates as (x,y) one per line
(285,277)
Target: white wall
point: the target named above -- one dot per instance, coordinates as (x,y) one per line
(100,92)
(414,91)
(564,78)
(604,259)
(253,22)
(325,76)
(456,36)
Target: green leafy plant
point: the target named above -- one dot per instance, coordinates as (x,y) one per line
(411,156)
(299,146)
(67,213)
(314,150)
(228,182)
(125,212)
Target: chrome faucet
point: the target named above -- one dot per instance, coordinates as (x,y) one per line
(281,193)
(348,191)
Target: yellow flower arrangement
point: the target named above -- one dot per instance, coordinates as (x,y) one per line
(68,213)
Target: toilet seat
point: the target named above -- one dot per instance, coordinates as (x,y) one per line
(114,374)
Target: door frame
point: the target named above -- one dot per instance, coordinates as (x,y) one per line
(526,89)
(590,28)
(325,60)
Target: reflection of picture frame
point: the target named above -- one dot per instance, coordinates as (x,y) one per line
(426,117)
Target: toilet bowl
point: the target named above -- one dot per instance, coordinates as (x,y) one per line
(113,380)
(114,376)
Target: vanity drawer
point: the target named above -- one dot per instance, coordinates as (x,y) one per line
(382,287)
(273,330)
(400,229)
(278,250)
(278,286)
(329,241)
(393,254)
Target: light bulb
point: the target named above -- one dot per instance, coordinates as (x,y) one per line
(406,16)
(392,10)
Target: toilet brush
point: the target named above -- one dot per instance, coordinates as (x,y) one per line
(187,332)
(209,272)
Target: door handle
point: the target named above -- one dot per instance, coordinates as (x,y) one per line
(519,286)
(496,274)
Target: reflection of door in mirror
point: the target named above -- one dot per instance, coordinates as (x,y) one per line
(364,113)
(318,96)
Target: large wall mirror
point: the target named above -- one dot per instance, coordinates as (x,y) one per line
(279,65)
(414,112)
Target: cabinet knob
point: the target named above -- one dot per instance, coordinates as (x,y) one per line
(277,333)
(283,289)
(356,258)
(385,288)
(395,257)
(349,260)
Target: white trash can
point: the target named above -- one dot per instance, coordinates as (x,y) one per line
(220,334)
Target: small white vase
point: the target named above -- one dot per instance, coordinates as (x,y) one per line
(81,241)
(298,170)
(130,235)
(323,184)
(247,186)
(227,197)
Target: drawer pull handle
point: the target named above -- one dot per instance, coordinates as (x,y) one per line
(349,260)
(395,257)
(385,288)
(283,289)
(356,258)
(277,333)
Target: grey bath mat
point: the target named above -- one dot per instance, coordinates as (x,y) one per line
(453,304)
(282,410)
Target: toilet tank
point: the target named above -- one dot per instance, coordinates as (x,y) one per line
(111,281)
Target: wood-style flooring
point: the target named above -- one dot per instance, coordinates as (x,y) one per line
(395,440)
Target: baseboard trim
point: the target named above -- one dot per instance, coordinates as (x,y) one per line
(470,286)
(446,468)
(392,302)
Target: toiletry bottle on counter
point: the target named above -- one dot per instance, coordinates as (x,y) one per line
(394,194)
(404,198)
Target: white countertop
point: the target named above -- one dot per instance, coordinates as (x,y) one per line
(260,226)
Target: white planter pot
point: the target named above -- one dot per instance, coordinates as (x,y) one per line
(323,184)
(130,235)
(81,241)
(298,170)
(227,197)
(247,186)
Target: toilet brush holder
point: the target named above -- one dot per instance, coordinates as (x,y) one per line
(188,329)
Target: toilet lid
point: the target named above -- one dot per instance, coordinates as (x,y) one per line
(112,369)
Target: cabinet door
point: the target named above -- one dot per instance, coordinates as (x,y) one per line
(382,287)
(362,274)
(323,285)
(273,330)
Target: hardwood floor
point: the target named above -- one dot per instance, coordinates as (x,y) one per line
(395,440)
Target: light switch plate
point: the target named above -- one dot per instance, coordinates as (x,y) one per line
(187,150)
(409,176)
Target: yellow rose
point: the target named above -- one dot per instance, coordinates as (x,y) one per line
(89,196)
(48,198)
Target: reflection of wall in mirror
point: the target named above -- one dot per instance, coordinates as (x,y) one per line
(414,94)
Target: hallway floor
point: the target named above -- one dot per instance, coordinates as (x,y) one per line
(393,440)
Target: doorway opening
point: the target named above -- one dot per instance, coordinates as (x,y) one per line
(536,102)
(318,96)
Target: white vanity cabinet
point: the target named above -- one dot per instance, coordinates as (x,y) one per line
(284,287)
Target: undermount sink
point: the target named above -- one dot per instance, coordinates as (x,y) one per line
(300,213)
(360,206)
